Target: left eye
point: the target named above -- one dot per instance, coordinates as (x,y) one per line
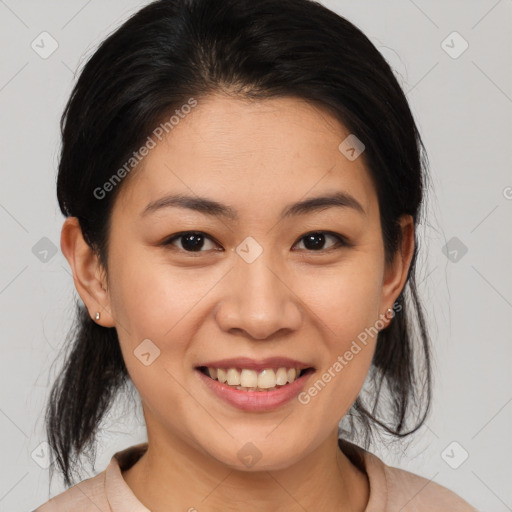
(194,241)
(315,241)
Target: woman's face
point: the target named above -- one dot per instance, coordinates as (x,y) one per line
(254,292)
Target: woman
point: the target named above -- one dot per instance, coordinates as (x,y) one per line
(242,181)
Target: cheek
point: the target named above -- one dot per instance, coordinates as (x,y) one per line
(152,307)
(346,306)
(346,300)
(154,300)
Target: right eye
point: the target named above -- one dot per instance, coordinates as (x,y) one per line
(190,241)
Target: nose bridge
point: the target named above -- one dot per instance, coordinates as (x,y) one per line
(260,284)
(260,303)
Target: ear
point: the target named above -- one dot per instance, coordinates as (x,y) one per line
(395,274)
(88,274)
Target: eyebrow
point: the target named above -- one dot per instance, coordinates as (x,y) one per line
(215,209)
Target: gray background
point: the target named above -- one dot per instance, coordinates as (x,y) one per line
(463,105)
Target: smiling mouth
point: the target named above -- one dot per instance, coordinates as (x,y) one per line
(245,379)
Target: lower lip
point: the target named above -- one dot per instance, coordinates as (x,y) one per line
(255,400)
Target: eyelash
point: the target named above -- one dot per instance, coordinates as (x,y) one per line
(341,241)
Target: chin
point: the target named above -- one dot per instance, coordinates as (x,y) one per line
(258,454)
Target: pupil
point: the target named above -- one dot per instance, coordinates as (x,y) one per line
(310,242)
(192,242)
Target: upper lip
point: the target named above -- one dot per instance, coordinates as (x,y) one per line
(257,365)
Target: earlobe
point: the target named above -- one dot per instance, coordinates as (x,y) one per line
(87,272)
(395,274)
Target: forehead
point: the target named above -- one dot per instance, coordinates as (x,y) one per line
(254,155)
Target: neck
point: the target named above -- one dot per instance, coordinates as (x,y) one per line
(175,477)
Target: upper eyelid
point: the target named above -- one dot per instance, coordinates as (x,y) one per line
(177,236)
(340,239)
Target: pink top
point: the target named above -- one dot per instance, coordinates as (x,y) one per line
(391,489)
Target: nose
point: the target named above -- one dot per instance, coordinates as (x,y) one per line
(259,302)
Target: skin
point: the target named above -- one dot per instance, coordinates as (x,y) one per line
(291,301)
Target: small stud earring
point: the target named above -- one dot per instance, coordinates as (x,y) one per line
(97,316)
(389,313)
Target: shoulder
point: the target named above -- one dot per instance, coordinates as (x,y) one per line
(95,493)
(86,496)
(409,492)
(393,489)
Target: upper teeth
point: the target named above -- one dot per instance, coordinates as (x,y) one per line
(265,379)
